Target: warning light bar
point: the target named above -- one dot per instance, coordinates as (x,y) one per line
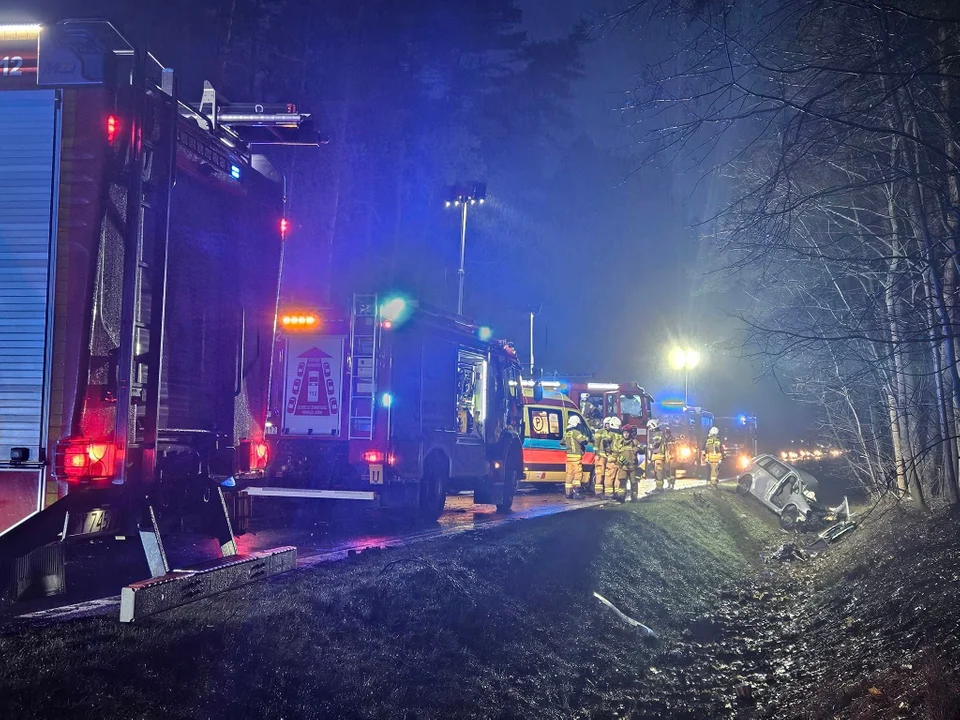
(296,322)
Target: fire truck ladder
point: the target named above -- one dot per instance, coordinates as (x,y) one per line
(364,334)
(152,174)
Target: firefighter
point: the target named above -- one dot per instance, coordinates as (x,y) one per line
(627,482)
(656,450)
(601,444)
(574,440)
(613,449)
(670,457)
(714,454)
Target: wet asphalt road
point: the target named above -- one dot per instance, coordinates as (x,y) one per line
(97,570)
(330,540)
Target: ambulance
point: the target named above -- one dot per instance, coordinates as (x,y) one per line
(545,421)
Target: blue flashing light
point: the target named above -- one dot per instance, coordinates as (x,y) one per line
(485,334)
(386,400)
(393,309)
(234,172)
(743,419)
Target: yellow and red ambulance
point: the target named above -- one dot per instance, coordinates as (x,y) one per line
(544,458)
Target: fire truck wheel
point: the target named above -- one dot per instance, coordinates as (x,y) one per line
(433,494)
(511,478)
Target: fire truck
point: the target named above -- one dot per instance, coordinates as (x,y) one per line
(395,405)
(687,428)
(627,401)
(140,254)
(739,436)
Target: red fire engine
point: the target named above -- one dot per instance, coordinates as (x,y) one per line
(140,252)
(627,401)
(395,405)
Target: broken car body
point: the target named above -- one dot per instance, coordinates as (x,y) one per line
(789,492)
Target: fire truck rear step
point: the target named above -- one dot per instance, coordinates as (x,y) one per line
(180,587)
(310,494)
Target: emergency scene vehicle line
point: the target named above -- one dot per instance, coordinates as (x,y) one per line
(513,359)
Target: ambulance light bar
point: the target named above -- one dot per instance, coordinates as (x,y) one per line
(21,29)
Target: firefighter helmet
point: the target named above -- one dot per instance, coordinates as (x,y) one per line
(714,431)
(630,430)
(573,421)
(653,424)
(614,423)
(606,422)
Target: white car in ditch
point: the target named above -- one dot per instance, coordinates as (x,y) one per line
(790,493)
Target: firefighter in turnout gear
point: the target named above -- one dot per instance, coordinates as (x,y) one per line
(613,449)
(601,446)
(627,481)
(574,440)
(713,451)
(656,450)
(670,443)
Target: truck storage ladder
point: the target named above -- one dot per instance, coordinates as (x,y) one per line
(152,168)
(364,336)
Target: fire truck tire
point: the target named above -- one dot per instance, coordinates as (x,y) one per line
(433,493)
(511,479)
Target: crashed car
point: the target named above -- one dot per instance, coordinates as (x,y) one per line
(790,493)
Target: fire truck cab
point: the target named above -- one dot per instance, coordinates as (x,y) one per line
(396,405)
(739,436)
(627,401)
(688,428)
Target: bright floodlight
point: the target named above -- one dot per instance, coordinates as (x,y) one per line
(678,358)
(684,359)
(485,334)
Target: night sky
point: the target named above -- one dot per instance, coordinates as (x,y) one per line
(655,229)
(616,287)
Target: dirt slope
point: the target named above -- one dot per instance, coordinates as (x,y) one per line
(878,635)
(503,624)
(497,624)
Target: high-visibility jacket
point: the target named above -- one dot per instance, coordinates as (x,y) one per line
(574,441)
(627,453)
(713,450)
(601,442)
(657,444)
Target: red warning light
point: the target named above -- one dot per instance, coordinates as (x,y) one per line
(112,127)
(284,226)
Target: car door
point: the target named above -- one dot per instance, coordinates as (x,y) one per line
(763,479)
(783,490)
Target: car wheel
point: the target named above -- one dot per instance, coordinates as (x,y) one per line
(511,478)
(789,518)
(433,493)
(744,483)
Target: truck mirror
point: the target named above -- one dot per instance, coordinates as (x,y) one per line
(537,391)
